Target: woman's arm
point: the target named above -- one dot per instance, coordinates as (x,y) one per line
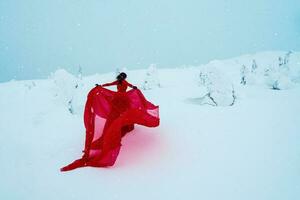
(109,84)
(130,85)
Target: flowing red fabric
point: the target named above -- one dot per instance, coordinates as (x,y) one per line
(108,116)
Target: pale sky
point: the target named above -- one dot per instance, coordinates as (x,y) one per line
(37,37)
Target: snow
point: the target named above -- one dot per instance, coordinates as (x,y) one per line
(249,150)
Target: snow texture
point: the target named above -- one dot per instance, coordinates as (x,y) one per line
(246,151)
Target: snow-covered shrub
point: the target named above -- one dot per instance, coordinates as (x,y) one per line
(287,58)
(274,71)
(79,73)
(203,78)
(244,75)
(279,81)
(151,80)
(219,89)
(30,85)
(67,89)
(254,66)
(253,75)
(280,61)
(279,76)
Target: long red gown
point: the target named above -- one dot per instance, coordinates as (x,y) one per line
(108,116)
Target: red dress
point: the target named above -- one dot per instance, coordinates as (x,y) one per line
(108,116)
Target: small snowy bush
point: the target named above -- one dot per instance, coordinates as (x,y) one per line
(276,72)
(67,89)
(277,80)
(244,75)
(252,75)
(279,76)
(30,85)
(254,66)
(220,91)
(151,80)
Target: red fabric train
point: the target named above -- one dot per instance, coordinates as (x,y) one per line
(108,116)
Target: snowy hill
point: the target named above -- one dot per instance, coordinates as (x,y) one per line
(229,130)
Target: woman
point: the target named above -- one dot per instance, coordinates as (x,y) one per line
(108,116)
(121,83)
(120,102)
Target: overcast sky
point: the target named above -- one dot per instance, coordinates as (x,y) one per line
(39,36)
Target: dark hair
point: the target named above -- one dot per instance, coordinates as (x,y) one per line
(122,76)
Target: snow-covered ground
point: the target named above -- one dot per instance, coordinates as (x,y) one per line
(250,150)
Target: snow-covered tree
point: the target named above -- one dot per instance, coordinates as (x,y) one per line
(220,96)
(280,76)
(219,89)
(30,85)
(287,57)
(244,74)
(275,85)
(277,78)
(284,62)
(66,89)
(280,61)
(79,73)
(203,78)
(151,80)
(253,66)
